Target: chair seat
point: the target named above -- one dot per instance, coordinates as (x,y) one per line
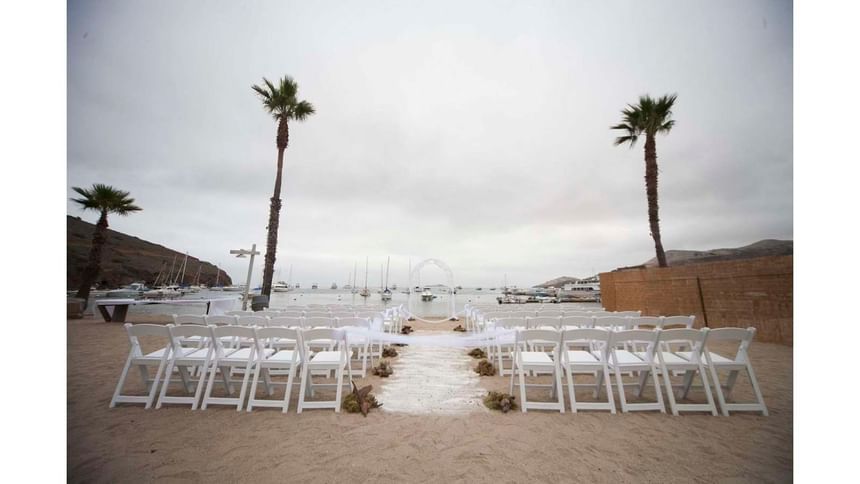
(717,359)
(625,357)
(668,357)
(532,358)
(326,357)
(284,356)
(577,357)
(244,353)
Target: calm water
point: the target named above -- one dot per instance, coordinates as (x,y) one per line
(437,307)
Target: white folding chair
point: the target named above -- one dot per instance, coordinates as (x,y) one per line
(357,340)
(311,322)
(179,320)
(283,361)
(550,313)
(328,360)
(622,360)
(690,364)
(544,322)
(225,359)
(185,359)
(741,362)
(136,357)
(538,362)
(239,313)
(503,349)
(587,361)
(575,322)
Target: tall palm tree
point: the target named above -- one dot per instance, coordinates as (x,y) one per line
(649,117)
(280,101)
(105,199)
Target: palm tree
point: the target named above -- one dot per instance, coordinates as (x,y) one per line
(649,117)
(105,199)
(280,101)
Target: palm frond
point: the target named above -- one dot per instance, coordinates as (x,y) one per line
(280,100)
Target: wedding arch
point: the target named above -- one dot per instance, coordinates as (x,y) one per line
(416,271)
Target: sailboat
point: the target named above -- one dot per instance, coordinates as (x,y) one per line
(365,292)
(217,286)
(386,293)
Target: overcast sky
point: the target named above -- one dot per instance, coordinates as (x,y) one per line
(473,132)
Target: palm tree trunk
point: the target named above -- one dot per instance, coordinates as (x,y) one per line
(275,211)
(91,272)
(651,191)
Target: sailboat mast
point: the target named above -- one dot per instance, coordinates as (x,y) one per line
(366,261)
(170,276)
(217,275)
(387,271)
(184,264)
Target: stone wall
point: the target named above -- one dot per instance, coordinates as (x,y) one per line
(745,292)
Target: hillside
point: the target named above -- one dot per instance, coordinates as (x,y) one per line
(127,259)
(558,282)
(762,248)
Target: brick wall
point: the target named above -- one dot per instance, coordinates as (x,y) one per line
(746,292)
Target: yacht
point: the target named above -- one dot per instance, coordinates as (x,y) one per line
(314,286)
(334,285)
(135,289)
(280,286)
(427,294)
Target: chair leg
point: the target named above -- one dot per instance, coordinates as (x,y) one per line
(707,386)
(758,396)
(289,391)
(657,390)
(715,376)
(339,391)
(558,388)
(608,382)
(167,372)
(204,369)
(210,384)
(303,387)
(121,383)
(570,389)
(668,382)
(621,395)
(522,374)
(158,373)
(244,388)
(254,382)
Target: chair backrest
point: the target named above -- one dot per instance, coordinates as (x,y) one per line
(694,337)
(594,338)
(678,321)
(613,322)
(268,313)
(575,312)
(743,338)
(252,321)
(649,321)
(222,334)
(540,321)
(291,313)
(189,319)
(309,336)
(550,313)
(510,323)
(539,336)
(352,321)
(177,333)
(638,337)
(264,336)
(318,314)
(285,322)
(318,322)
(239,313)
(343,314)
(136,330)
(628,313)
(522,314)
(221,320)
(580,321)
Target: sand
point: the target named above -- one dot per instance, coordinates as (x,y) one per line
(130,444)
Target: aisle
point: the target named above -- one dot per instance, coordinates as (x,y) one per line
(432,380)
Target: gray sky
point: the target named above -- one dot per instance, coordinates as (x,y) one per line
(473,132)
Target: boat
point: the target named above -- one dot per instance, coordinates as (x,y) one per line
(386,293)
(365,292)
(133,290)
(233,288)
(334,285)
(280,286)
(427,294)
(314,286)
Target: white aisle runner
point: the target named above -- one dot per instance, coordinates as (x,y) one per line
(429,379)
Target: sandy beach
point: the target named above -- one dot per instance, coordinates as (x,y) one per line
(130,444)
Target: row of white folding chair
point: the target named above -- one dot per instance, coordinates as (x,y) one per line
(361,344)
(650,362)
(216,358)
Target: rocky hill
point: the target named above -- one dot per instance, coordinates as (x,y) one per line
(762,248)
(558,282)
(127,259)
